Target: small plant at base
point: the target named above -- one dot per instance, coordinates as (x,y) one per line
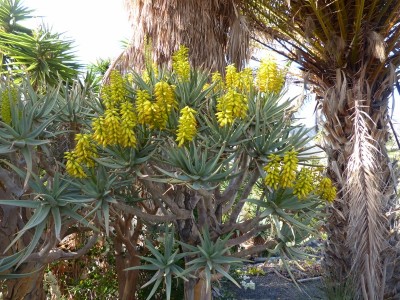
(248,285)
(254,271)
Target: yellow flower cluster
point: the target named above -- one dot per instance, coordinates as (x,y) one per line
(111,127)
(73,167)
(326,190)
(269,77)
(246,79)
(304,183)
(289,169)
(233,104)
(216,79)
(155,114)
(8,98)
(241,81)
(273,170)
(83,154)
(187,126)
(165,96)
(115,91)
(146,73)
(180,63)
(128,122)
(281,172)
(230,106)
(232,77)
(85,149)
(116,127)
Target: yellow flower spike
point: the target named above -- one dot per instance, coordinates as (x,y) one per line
(128,138)
(115,91)
(150,113)
(99,133)
(146,76)
(180,63)
(216,79)
(165,95)
(112,126)
(146,73)
(85,150)
(230,106)
(127,112)
(142,102)
(8,98)
(187,127)
(232,77)
(289,168)
(205,87)
(273,170)
(269,77)
(304,183)
(246,79)
(326,190)
(128,122)
(72,166)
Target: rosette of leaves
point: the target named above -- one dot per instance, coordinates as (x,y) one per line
(197,166)
(53,203)
(210,259)
(29,121)
(166,264)
(291,220)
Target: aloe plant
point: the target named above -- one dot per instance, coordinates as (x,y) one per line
(160,147)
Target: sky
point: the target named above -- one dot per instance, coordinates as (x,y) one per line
(96,26)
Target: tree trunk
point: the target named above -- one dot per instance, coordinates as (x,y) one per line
(214,32)
(26,288)
(127,280)
(29,287)
(189,287)
(358,256)
(201,292)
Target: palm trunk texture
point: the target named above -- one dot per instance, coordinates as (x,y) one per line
(360,251)
(214,32)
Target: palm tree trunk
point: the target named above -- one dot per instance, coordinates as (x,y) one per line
(214,32)
(358,227)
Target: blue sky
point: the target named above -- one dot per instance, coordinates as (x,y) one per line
(96,26)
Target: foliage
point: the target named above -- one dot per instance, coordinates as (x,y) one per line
(100,281)
(11,13)
(40,55)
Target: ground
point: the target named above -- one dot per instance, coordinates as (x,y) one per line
(272,280)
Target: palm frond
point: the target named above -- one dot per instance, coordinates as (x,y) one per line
(365,213)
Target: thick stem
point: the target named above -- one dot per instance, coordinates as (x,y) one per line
(27,288)
(189,287)
(201,292)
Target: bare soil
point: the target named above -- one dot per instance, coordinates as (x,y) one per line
(274,282)
(272,287)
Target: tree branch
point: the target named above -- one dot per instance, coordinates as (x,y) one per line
(245,237)
(59,254)
(256,249)
(246,192)
(183,214)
